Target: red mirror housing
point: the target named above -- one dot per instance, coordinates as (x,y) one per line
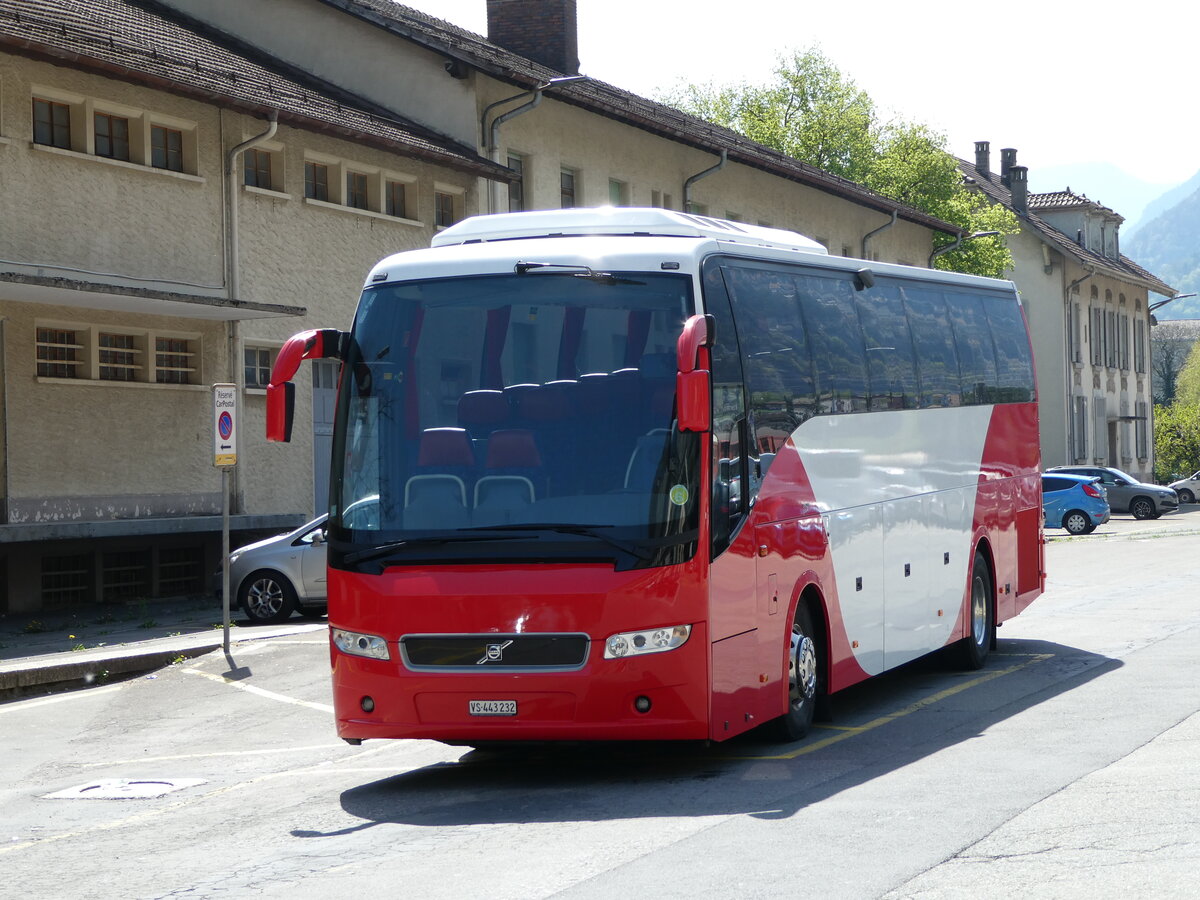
(325,343)
(693,391)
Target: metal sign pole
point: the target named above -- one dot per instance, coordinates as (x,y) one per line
(225,458)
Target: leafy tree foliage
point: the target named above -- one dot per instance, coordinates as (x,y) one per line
(813,112)
(1170,344)
(1176,440)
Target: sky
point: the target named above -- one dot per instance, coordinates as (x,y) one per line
(1115,84)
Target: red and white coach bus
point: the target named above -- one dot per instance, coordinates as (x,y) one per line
(609,474)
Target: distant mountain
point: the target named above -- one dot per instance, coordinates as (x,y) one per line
(1105,184)
(1160,205)
(1169,246)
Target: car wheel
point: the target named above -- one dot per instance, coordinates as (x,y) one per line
(1077,522)
(806,680)
(972,651)
(267,597)
(1142,508)
(1186,496)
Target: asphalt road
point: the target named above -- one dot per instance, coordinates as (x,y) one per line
(1068,767)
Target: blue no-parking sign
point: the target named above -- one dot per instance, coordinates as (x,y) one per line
(224,425)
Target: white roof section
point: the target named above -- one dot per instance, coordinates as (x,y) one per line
(619,221)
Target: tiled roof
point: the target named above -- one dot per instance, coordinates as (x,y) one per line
(1122,267)
(143,41)
(1067,199)
(616,103)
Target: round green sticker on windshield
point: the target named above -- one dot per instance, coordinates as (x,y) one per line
(679,495)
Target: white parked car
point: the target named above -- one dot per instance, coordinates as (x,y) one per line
(1188,488)
(273,578)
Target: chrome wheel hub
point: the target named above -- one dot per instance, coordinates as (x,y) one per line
(802,669)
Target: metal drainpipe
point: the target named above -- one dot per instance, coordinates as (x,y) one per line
(4,423)
(870,234)
(687,185)
(494,139)
(237,373)
(940,250)
(1067,363)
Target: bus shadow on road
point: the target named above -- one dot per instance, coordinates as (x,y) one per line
(879,726)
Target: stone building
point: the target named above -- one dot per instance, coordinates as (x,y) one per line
(186,184)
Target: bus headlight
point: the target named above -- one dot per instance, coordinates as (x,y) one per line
(637,643)
(360,644)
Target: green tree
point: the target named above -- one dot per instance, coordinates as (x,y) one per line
(813,112)
(1176,440)
(1187,382)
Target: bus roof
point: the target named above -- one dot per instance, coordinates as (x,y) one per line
(619,221)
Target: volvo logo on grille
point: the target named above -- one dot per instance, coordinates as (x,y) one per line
(495,653)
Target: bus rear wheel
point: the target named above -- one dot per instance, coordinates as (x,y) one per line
(805,684)
(972,651)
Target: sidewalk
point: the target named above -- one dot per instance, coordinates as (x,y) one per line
(50,650)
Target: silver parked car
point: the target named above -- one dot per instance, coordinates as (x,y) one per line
(1126,493)
(1188,488)
(273,578)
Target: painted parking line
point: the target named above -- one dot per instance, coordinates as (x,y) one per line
(840,734)
(260,692)
(82,694)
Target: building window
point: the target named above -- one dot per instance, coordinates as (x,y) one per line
(118,357)
(258,366)
(173,361)
(394,199)
(52,124)
(356,190)
(66,580)
(516,189)
(316,181)
(166,148)
(258,168)
(1139,346)
(58,353)
(443,209)
(112,136)
(618,192)
(1124,342)
(1076,335)
(124,575)
(698,209)
(180,570)
(1080,429)
(566,182)
(1142,428)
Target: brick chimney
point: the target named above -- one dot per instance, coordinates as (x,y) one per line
(1018,177)
(983,158)
(545,31)
(1008,159)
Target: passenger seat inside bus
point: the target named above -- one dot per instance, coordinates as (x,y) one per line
(514,474)
(436,497)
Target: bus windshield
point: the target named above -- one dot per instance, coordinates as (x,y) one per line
(518,416)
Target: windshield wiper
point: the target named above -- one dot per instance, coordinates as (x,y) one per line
(367,553)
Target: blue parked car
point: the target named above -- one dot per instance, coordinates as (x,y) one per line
(1077,503)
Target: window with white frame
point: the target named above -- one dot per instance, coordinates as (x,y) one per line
(257,366)
(104,353)
(360,187)
(357,195)
(259,168)
(1080,429)
(1142,428)
(111,136)
(568,196)
(316,180)
(395,199)
(51,123)
(1124,342)
(1076,333)
(447,205)
(618,192)
(516,189)
(1096,336)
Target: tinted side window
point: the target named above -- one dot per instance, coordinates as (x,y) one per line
(937,357)
(1014,380)
(889,346)
(729,414)
(973,338)
(778,363)
(1056,484)
(839,356)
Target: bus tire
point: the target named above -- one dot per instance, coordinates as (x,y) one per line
(805,680)
(972,651)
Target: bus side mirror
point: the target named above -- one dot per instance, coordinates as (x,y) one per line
(693,392)
(281,409)
(325,343)
(693,396)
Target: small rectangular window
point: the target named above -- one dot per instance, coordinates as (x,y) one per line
(173,360)
(618,192)
(258,168)
(118,357)
(516,189)
(59,353)
(443,209)
(166,148)
(258,366)
(566,181)
(396,201)
(52,124)
(356,190)
(112,136)
(316,181)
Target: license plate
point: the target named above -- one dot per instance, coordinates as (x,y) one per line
(492,707)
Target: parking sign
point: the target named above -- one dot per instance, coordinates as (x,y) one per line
(224,425)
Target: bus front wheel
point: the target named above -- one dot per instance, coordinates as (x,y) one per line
(805,684)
